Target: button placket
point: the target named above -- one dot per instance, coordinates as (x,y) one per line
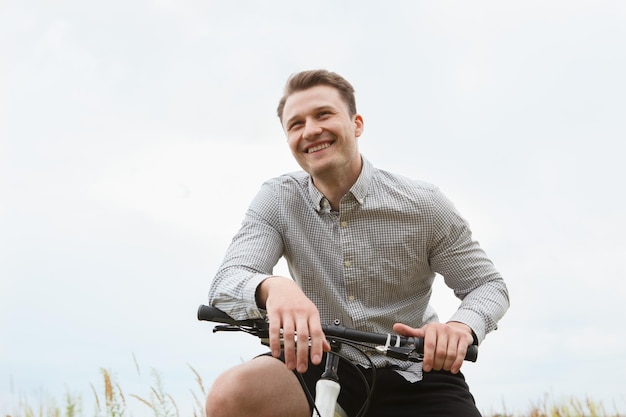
(350,270)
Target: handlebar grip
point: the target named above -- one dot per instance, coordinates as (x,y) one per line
(471,355)
(383,339)
(210,313)
(214,314)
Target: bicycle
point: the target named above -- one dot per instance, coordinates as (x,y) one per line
(328,387)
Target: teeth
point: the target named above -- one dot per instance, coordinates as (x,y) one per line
(318,147)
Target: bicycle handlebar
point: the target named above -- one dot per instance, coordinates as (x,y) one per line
(401,347)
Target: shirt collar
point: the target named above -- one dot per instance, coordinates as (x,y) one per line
(358,189)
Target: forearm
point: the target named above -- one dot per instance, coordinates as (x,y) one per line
(249,260)
(467,269)
(482,308)
(233,291)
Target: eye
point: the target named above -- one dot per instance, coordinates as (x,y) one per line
(294,124)
(322,114)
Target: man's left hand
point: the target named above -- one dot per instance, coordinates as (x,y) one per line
(445,345)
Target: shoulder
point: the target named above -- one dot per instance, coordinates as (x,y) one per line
(290,182)
(410,193)
(290,186)
(280,198)
(401,183)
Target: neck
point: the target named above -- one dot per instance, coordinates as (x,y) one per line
(335,185)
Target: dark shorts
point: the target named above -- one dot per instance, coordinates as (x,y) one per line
(439,393)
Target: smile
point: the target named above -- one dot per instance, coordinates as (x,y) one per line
(318,147)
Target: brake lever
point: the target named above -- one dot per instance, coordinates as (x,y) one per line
(226,328)
(258,329)
(405,353)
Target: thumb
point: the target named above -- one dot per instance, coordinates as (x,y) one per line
(404,330)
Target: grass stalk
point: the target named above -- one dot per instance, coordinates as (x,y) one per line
(111,402)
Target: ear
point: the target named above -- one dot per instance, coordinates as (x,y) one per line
(358,125)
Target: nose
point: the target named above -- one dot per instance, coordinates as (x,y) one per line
(312,129)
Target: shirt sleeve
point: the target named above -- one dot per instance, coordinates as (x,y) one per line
(250,259)
(467,270)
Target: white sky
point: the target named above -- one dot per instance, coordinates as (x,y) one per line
(134,133)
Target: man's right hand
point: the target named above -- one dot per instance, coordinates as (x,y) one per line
(290,309)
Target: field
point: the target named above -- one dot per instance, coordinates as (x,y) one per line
(111,401)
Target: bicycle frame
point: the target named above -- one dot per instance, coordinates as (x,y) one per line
(327,390)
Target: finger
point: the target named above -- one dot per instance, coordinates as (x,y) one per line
(302,352)
(325,346)
(430,344)
(460,357)
(318,341)
(441,351)
(462,347)
(451,352)
(274,330)
(289,346)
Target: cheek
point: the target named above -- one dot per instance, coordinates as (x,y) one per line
(293,145)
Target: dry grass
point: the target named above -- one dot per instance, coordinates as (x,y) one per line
(572,407)
(111,402)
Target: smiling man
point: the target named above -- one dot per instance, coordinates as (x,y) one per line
(363,247)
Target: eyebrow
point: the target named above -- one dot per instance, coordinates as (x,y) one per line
(315,110)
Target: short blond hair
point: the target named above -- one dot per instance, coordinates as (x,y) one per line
(307,79)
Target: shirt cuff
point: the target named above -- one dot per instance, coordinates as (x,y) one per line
(474,321)
(249,295)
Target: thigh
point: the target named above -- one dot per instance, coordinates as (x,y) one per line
(353,391)
(263,386)
(439,393)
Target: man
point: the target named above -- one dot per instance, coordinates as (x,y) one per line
(363,247)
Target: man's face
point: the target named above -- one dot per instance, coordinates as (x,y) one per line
(321,133)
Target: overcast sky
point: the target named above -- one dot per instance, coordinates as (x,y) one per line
(133,134)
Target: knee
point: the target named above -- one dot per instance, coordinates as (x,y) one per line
(225,398)
(241,391)
(212,405)
(220,401)
(217,405)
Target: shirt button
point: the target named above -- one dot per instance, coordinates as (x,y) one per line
(351,298)
(347,263)
(344,224)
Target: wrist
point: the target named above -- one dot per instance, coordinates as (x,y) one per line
(263,289)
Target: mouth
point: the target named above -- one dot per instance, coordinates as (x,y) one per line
(318,148)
